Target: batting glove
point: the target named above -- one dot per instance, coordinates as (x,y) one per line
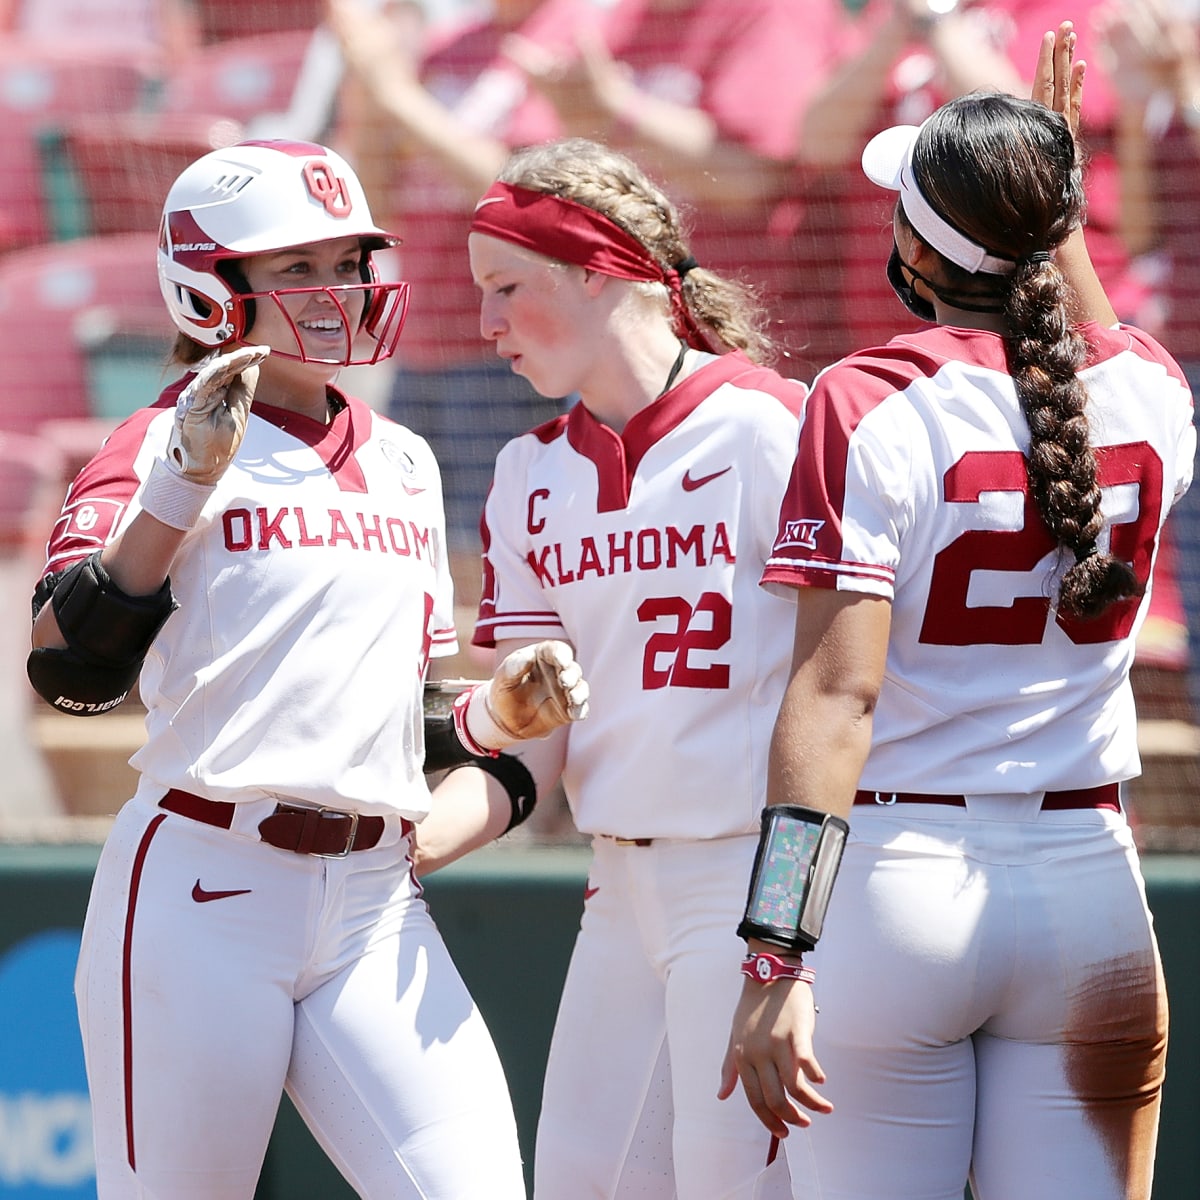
(211,414)
(210,421)
(533,691)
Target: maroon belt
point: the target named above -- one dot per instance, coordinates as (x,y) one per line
(324,832)
(1107,795)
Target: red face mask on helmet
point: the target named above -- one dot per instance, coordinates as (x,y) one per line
(259,197)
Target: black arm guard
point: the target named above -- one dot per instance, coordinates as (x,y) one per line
(108,635)
(443,748)
(444,752)
(514,777)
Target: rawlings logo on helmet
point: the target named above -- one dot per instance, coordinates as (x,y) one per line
(326,187)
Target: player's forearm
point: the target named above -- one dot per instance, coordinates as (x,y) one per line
(469,811)
(1089,301)
(140,559)
(471,808)
(818,749)
(822,734)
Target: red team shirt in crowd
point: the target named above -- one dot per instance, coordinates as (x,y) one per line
(858,231)
(910,483)
(362,497)
(744,63)
(644,551)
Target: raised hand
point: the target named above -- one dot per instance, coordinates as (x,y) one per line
(1058,76)
(211,414)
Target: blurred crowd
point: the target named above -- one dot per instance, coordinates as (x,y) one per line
(753,112)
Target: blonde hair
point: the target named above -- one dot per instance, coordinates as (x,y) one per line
(601,178)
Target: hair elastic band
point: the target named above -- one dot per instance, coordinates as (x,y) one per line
(573,233)
(1083,553)
(684,265)
(1038,257)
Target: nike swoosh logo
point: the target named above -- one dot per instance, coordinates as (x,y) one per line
(202,897)
(488,200)
(410,490)
(589,892)
(690,484)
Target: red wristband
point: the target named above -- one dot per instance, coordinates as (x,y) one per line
(766,968)
(459,713)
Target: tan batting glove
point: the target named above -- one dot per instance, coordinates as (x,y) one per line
(211,414)
(533,691)
(210,422)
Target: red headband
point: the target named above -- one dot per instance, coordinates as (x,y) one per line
(574,233)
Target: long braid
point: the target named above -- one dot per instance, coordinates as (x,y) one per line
(592,174)
(1006,172)
(1045,352)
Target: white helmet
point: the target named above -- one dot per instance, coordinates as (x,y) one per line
(261,196)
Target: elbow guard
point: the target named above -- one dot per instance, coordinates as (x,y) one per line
(513,775)
(108,635)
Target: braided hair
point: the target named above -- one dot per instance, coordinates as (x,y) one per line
(603,179)
(1007,173)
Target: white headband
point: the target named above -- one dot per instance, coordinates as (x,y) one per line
(887,161)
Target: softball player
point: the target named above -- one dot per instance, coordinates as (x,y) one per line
(254,923)
(970,530)
(636,528)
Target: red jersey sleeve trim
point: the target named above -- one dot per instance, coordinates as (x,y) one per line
(100,494)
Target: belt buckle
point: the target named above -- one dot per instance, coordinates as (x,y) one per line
(344,852)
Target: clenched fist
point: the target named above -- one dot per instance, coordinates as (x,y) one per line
(533,691)
(211,414)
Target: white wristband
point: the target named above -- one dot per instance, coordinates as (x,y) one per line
(174,499)
(480,723)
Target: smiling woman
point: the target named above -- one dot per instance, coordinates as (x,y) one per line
(254,920)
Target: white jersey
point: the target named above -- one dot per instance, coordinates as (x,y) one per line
(324,546)
(644,551)
(910,483)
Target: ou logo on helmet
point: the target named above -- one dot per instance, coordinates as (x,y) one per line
(327,188)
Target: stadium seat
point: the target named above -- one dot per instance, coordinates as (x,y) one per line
(31,474)
(221,20)
(43,84)
(239,77)
(83,330)
(122,164)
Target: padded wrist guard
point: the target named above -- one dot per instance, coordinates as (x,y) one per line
(799,852)
(108,635)
(444,749)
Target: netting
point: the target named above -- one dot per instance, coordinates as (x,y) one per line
(102,104)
